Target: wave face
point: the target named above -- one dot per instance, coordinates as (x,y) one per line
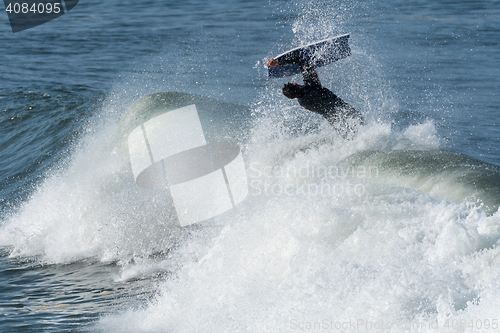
(94,209)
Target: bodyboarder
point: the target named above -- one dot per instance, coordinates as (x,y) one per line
(316,98)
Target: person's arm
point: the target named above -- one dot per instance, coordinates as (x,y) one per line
(309,75)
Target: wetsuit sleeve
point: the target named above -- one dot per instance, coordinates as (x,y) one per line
(308,73)
(309,76)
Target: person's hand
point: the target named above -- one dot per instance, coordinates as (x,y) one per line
(272,63)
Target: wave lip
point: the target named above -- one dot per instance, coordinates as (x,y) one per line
(437,172)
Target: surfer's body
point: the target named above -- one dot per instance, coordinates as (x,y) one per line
(316,98)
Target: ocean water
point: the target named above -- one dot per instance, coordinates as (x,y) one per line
(394,229)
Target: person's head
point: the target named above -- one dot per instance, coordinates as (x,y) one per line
(292,90)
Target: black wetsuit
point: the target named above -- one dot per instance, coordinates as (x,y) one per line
(318,99)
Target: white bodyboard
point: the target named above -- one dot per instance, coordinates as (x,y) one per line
(317,54)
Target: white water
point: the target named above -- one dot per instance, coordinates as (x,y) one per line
(290,258)
(313,243)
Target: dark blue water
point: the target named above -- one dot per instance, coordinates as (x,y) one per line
(81,251)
